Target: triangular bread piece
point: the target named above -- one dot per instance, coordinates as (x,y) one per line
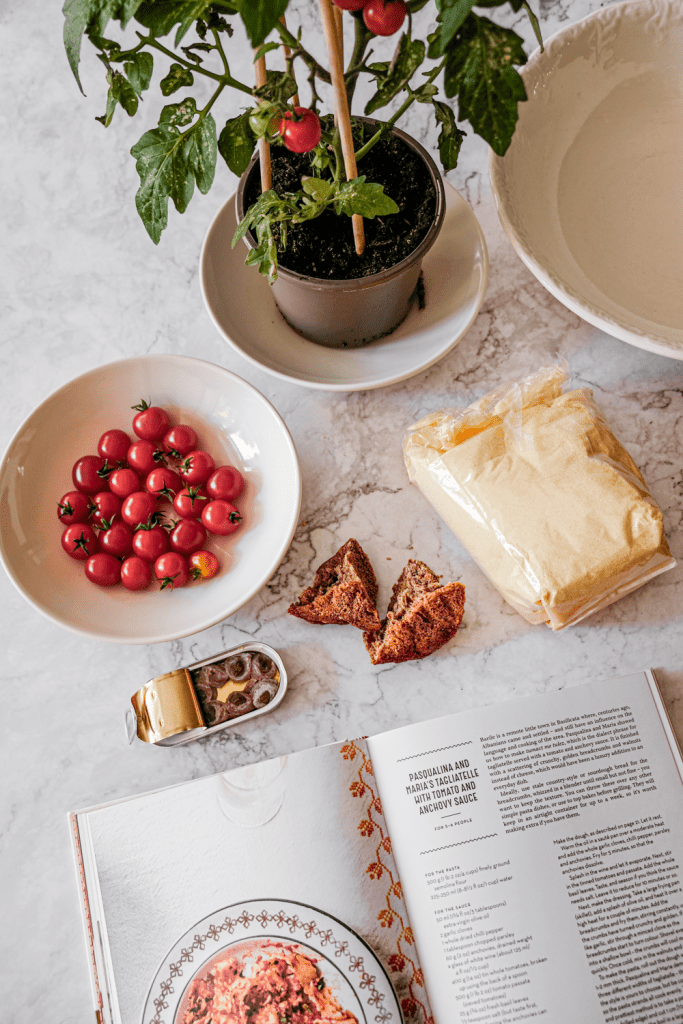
(423,615)
(344,591)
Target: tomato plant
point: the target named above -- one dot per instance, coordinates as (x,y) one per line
(180,440)
(164,483)
(103,569)
(203,565)
(117,540)
(197,467)
(104,506)
(187,536)
(80,541)
(138,507)
(114,445)
(123,482)
(136,574)
(150,541)
(172,570)
(384,18)
(74,507)
(144,456)
(300,130)
(221,517)
(226,483)
(90,473)
(151,422)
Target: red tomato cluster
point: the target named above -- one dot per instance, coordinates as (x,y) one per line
(118,493)
(381,17)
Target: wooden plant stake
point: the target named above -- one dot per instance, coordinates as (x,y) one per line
(263,146)
(339,24)
(287,53)
(341,107)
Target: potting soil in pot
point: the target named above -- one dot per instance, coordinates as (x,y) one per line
(324,247)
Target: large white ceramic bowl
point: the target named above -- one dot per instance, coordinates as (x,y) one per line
(235,423)
(590,191)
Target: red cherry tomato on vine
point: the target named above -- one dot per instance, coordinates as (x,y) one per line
(117,540)
(350,5)
(114,445)
(180,440)
(221,517)
(203,565)
(73,507)
(103,569)
(138,507)
(164,483)
(172,570)
(123,482)
(136,574)
(187,536)
(150,542)
(144,456)
(197,467)
(226,483)
(189,502)
(90,474)
(79,541)
(302,135)
(384,18)
(104,507)
(151,422)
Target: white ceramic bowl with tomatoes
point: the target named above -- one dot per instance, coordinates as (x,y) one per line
(234,423)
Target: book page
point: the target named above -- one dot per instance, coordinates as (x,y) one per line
(540,847)
(257,868)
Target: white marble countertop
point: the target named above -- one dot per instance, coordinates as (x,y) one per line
(81,284)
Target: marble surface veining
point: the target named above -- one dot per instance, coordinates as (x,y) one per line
(81,284)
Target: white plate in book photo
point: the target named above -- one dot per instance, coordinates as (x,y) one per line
(265,928)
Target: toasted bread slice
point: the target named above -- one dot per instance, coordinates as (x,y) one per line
(344,591)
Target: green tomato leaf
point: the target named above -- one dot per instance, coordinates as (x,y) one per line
(479,70)
(200,152)
(409,55)
(91,16)
(452,13)
(120,92)
(179,114)
(279,87)
(450,137)
(425,93)
(266,48)
(236,143)
(319,188)
(139,71)
(367,199)
(178,77)
(160,16)
(260,18)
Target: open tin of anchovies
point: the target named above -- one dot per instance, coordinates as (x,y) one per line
(201,699)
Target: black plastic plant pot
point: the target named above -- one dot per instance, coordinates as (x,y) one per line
(350,313)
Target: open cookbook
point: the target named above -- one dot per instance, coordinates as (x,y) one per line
(510,863)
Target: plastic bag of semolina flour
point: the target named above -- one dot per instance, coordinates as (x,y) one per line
(541,493)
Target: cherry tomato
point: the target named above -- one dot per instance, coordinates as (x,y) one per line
(197,467)
(180,440)
(189,502)
(302,135)
(90,474)
(384,18)
(114,445)
(221,517)
(117,540)
(172,570)
(74,507)
(149,542)
(136,574)
(151,422)
(104,507)
(80,541)
(103,569)
(203,565)
(187,536)
(350,5)
(144,456)
(124,482)
(164,483)
(138,507)
(226,483)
